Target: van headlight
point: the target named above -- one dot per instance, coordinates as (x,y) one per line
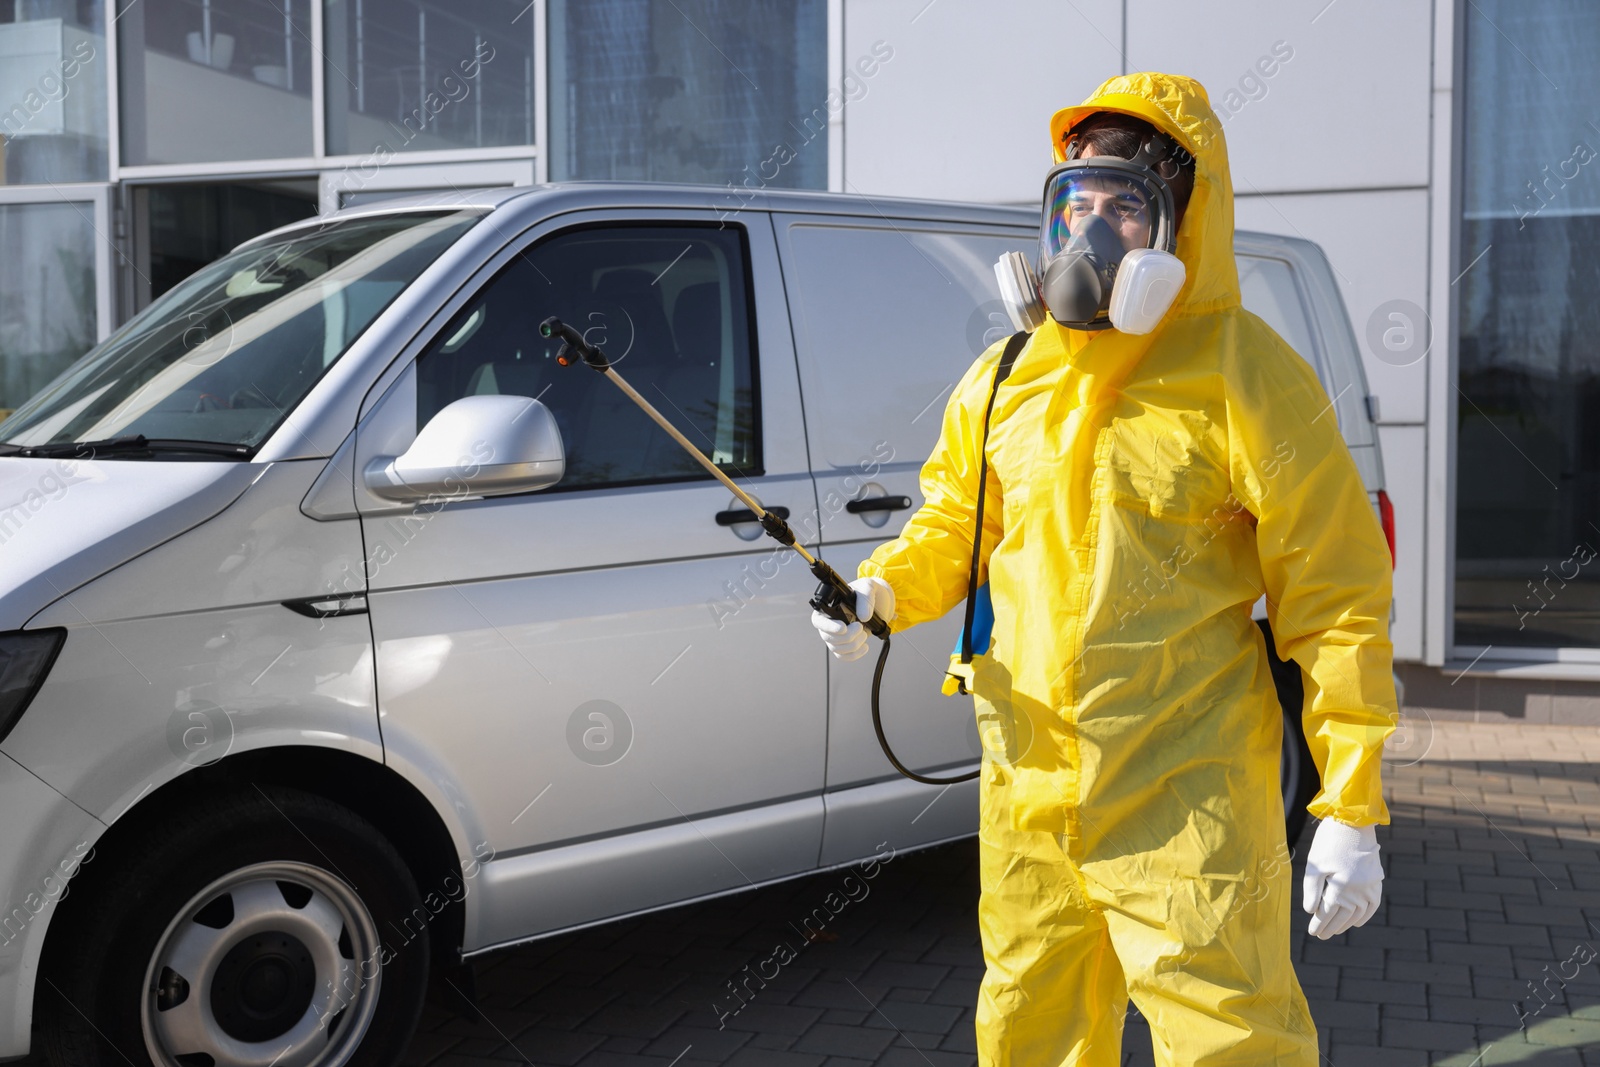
(25,659)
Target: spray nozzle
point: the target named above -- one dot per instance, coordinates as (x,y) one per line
(573,346)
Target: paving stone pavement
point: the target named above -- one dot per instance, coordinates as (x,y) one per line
(1480,954)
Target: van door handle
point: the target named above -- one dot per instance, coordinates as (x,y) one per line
(878,503)
(737,515)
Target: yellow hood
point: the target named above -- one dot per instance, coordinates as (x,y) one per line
(1179,107)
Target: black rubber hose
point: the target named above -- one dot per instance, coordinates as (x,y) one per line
(883,741)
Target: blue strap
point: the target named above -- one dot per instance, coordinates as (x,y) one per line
(982,623)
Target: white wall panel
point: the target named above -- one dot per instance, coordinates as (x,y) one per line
(962,111)
(1378,245)
(1349,109)
(1405,480)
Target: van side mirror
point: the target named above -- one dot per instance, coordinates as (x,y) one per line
(476,446)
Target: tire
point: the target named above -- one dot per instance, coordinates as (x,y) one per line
(269,926)
(1297,774)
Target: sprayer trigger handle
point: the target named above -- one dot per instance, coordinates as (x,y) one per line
(833,603)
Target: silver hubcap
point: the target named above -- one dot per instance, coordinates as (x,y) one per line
(273,965)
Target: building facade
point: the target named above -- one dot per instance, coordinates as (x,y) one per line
(1441,154)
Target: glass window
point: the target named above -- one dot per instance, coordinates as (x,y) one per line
(227,354)
(413,76)
(211,80)
(669,305)
(47,294)
(1528,429)
(1267,289)
(713,91)
(864,297)
(52,92)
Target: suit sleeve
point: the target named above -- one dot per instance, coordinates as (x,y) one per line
(928,564)
(1325,565)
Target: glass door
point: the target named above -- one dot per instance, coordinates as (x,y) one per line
(178,227)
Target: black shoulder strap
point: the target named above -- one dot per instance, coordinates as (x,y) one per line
(1002,371)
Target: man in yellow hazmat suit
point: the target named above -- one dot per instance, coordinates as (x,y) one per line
(1141,491)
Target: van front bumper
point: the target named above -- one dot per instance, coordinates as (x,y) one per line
(44,840)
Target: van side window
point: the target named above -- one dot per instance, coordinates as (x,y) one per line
(894,311)
(669,305)
(1267,288)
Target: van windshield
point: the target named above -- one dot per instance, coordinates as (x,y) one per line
(214,365)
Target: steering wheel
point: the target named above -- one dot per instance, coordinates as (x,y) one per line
(210,402)
(250,396)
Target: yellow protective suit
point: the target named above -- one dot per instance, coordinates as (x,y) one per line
(1143,493)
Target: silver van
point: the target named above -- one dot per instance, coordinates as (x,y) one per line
(345,636)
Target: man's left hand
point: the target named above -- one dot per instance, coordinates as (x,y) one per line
(1344,880)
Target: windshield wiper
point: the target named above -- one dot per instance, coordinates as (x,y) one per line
(133,445)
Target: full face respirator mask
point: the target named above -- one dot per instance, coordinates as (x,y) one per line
(1106,243)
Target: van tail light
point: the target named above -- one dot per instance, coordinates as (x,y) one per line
(1386,516)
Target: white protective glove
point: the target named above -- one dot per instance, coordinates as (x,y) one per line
(1344,880)
(848,642)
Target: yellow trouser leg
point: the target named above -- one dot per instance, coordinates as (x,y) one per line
(1053,993)
(1209,968)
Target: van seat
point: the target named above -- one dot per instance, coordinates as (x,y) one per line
(611,436)
(693,384)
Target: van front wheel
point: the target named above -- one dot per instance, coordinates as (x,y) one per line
(262,931)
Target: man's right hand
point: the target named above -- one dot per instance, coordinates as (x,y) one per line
(848,642)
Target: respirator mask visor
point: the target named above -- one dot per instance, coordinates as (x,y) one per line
(1082,201)
(1106,241)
